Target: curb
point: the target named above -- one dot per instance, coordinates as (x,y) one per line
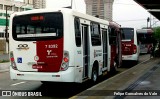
(5,70)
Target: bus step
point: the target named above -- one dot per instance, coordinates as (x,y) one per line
(85,79)
(105,73)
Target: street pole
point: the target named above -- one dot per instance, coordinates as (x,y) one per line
(6,34)
(71,3)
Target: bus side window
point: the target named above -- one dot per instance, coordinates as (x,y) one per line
(95,34)
(138,39)
(112,36)
(77,32)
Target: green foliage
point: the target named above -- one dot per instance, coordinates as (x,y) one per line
(157,33)
(4,61)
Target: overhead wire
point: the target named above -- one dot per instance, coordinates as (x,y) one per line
(131,20)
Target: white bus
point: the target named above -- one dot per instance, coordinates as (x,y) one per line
(145,38)
(59,45)
(130,45)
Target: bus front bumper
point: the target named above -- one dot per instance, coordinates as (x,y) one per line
(133,57)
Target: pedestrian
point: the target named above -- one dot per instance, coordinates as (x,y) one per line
(152,52)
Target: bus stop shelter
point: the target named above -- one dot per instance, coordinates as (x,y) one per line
(152,6)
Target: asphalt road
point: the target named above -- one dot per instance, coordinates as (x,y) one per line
(53,90)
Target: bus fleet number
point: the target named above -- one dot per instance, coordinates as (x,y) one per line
(52,46)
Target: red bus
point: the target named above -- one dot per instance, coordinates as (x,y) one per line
(130,46)
(115,44)
(145,38)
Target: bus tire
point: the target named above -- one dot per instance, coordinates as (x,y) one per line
(136,62)
(94,75)
(45,82)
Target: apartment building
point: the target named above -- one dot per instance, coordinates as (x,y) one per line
(37,4)
(101,8)
(10,6)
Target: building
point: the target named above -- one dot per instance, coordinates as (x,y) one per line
(37,4)
(100,8)
(10,6)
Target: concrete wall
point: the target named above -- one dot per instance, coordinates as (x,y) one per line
(2,45)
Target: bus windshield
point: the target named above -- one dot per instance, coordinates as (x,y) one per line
(127,33)
(41,26)
(145,38)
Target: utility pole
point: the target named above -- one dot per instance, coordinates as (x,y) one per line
(71,3)
(6,30)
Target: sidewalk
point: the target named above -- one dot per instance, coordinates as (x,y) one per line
(149,84)
(144,76)
(4,66)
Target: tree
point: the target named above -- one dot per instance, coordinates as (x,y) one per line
(157,33)
(157,37)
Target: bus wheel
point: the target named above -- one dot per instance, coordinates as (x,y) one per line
(94,75)
(136,62)
(45,82)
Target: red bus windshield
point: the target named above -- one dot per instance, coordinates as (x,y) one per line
(41,26)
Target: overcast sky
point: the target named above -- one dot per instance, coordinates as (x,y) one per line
(78,5)
(125,12)
(129,13)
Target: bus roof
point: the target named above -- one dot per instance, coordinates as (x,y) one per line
(144,31)
(89,17)
(114,24)
(127,27)
(65,10)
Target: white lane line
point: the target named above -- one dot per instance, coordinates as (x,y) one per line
(17,83)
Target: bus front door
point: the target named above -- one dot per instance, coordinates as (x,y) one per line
(85,40)
(105,55)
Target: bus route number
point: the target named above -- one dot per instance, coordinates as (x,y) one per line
(52,46)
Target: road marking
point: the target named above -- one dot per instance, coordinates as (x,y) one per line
(17,83)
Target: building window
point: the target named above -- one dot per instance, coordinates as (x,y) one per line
(1,34)
(7,7)
(21,9)
(16,9)
(1,6)
(1,14)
